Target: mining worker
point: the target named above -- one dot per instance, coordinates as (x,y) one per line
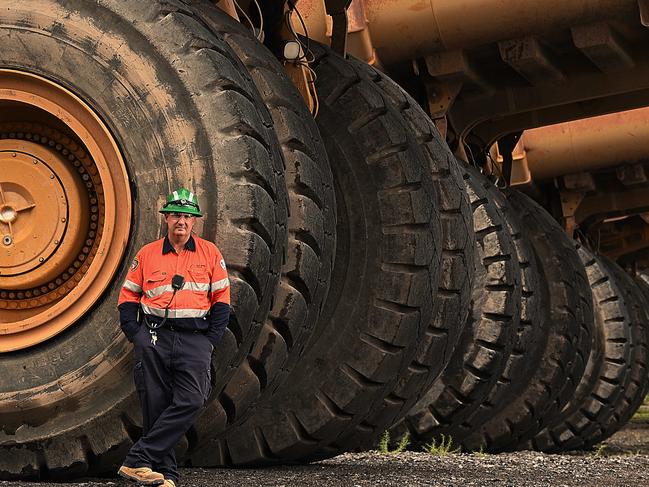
(174,307)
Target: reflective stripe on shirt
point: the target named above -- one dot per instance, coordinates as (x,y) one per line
(218,285)
(175,313)
(167,288)
(131,286)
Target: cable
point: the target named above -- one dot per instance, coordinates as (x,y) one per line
(252,26)
(261,22)
(500,180)
(306,56)
(306,48)
(473,161)
(259,35)
(312,90)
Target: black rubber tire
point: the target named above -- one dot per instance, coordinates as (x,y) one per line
(604,379)
(636,381)
(386,270)
(311,227)
(642,281)
(188,114)
(481,355)
(526,347)
(454,293)
(566,325)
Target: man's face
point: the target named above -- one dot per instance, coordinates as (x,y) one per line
(180,225)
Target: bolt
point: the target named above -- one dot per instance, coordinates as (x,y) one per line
(7,240)
(13,154)
(35,161)
(56,242)
(41,259)
(62,220)
(51,176)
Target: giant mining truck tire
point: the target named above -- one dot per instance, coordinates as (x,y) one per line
(480,357)
(386,269)
(521,362)
(636,380)
(566,323)
(118,103)
(453,295)
(642,280)
(606,375)
(306,273)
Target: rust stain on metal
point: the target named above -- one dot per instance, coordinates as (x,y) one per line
(417,7)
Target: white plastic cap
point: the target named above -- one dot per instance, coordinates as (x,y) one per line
(292,50)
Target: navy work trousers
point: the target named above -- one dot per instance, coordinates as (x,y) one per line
(172,378)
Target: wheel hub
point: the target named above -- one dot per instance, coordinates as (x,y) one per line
(33,217)
(49,231)
(62,236)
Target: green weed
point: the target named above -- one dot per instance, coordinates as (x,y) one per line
(444,447)
(384,444)
(600,450)
(481,452)
(642,414)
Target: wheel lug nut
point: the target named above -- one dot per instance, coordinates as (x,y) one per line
(7,240)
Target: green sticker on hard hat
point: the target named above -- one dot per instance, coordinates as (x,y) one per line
(182,201)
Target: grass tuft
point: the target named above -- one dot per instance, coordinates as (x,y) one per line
(444,447)
(384,444)
(600,450)
(481,452)
(642,414)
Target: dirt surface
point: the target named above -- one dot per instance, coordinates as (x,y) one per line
(622,461)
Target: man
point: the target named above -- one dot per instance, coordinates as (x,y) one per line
(178,286)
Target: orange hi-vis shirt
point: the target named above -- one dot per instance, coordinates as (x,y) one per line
(148,283)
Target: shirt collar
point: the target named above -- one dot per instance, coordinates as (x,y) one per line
(167,247)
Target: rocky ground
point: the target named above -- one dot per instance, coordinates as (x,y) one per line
(622,461)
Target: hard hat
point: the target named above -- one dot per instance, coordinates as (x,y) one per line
(182,201)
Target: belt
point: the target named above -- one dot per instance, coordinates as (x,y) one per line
(168,325)
(171,327)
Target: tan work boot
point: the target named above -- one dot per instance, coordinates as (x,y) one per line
(169,483)
(141,475)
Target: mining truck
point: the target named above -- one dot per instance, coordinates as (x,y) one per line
(434,217)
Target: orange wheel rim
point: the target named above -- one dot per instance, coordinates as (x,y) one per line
(62,181)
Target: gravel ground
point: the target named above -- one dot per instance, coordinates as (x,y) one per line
(623,461)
